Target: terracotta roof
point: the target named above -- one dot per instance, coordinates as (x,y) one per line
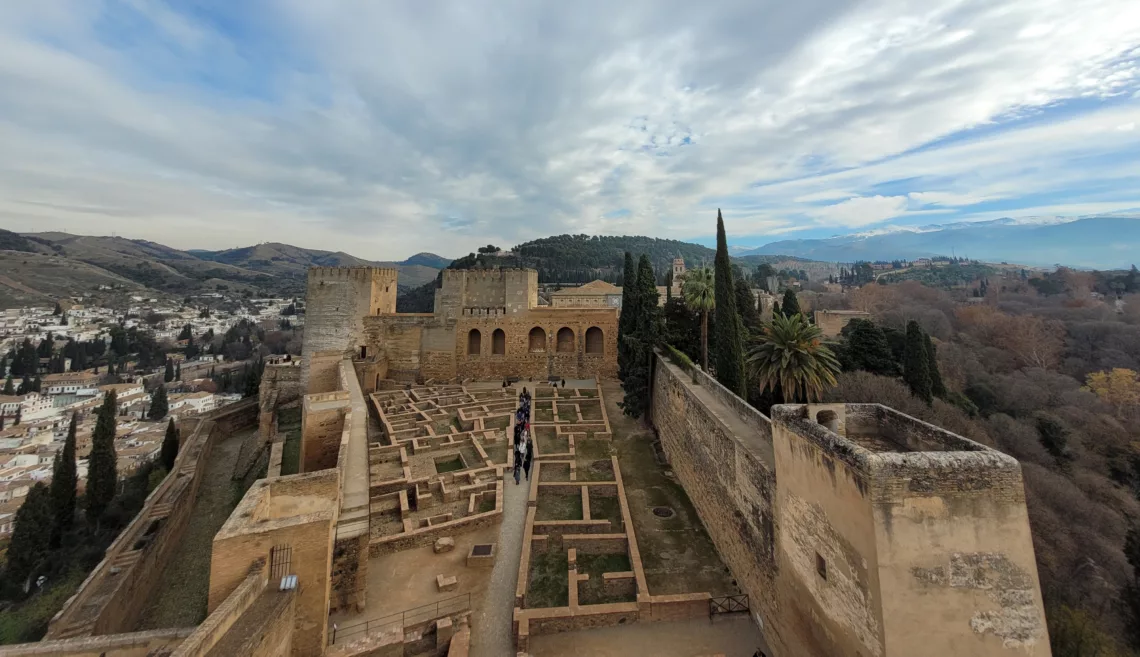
(592,288)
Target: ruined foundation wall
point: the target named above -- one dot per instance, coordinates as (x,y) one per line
(135,644)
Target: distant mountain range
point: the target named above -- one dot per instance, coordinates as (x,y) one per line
(38,268)
(1089,242)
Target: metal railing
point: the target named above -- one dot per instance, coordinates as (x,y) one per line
(728,604)
(402,619)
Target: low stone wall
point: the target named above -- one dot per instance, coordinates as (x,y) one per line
(349,581)
(211,631)
(111,599)
(426,536)
(135,644)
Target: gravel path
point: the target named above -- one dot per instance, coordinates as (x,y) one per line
(493,616)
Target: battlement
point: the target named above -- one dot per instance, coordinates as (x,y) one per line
(484,312)
(496,274)
(365,274)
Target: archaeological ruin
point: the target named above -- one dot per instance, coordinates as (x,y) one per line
(846,530)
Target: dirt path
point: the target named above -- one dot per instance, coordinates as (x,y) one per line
(183,590)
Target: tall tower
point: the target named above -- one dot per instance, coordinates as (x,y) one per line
(678,276)
(336,301)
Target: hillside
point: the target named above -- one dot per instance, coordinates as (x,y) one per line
(290,263)
(1093,242)
(38,279)
(427,260)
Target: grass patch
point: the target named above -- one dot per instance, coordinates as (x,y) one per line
(559,507)
(497,452)
(567,413)
(592,591)
(449,464)
(548,444)
(549,581)
(591,411)
(587,392)
(592,449)
(28,620)
(543,414)
(486,504)
(554,472)
(599,470)
(607,508)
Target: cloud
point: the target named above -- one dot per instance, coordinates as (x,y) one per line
(861,211)
(384,129)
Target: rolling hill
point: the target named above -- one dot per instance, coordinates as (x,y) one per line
(287,262)
(1094,242)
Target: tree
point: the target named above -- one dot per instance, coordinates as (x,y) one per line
(168,376)
(31,535)
(253,382)
(1119,387)
(746,305)
(58,310)
(791,305)
(776,308)
(644,337)
(628,312)
(25,386)
(1131,591)
(1053,435)
(186,333)
(763,272)
(169,446)
(159,406)
(916,368)
(64,478)
(102,474)
(937,387)
(9,389)
(789,357)
(699,290)
(867,349)
(178,372)
(729,342)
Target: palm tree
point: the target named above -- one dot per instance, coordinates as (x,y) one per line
(699,290)
(789,355)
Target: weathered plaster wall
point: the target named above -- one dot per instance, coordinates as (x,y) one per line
(832,322)
(322,421)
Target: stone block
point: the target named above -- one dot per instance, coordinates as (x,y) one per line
(446,583)
(481,556)
(444,544)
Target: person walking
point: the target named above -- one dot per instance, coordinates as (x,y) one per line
(520,458)
(528,457)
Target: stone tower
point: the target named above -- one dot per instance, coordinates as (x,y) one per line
(678,275)
(336,301)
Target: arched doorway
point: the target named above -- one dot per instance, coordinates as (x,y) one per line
(474,342)
(498,342)
(564,340)
(594,341)
(537,341)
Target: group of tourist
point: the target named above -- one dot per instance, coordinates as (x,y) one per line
(524,446)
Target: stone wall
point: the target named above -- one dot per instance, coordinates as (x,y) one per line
(349,580)
(135,644)
(728,471)
(297,512)
(322,421)
(280,385)
(114,595)
(848,541)
(336,301)
(831,322)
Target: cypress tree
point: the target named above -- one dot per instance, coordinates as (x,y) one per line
(791,303)
(64,479)
(646,334)
(169,446)
(31,535)
(937,387)
(168,376)
(867,349)
(916,369)
(729,343)
(628,313)
(102,474)
(776,308)
(746,304)
(9,389)
(159,406)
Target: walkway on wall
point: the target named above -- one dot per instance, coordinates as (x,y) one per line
(182,593)
(493,618)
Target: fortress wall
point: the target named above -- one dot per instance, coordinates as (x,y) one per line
(111,600)
(337,299)
(728,471)
(135,644)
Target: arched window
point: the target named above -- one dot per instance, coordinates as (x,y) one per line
(498,342)
(828,419)
(474,342)
(537,340)
(594,343)
(565,341)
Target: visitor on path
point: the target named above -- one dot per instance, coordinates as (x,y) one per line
(528,457)
(518,466)
(563,383)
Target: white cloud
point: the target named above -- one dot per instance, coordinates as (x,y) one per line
(949,198)
(861,211)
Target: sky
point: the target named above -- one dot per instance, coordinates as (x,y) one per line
(391,127)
